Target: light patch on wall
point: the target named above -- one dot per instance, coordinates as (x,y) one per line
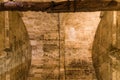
(72,34)
(33,42)
(114,28)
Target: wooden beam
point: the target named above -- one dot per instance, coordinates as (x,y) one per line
(64,6)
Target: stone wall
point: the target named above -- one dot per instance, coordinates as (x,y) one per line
(79,35)
(74,49)
(47,41)
(16,54)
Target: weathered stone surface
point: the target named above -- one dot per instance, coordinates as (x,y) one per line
(16,49)
(106,46)
(2,25)
(78,49)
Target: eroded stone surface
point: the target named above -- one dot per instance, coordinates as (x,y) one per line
(15,50)
(106,47)
(77,33)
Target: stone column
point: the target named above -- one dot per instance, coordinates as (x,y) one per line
(2,43)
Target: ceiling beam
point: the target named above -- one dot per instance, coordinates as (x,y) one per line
(59,7)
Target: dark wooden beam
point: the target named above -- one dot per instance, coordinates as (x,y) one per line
(64,6)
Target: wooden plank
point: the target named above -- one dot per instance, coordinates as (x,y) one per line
(63,6)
